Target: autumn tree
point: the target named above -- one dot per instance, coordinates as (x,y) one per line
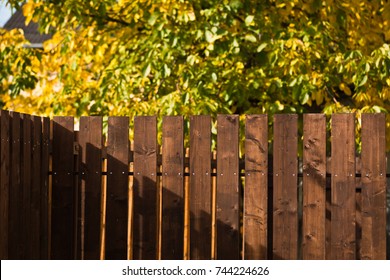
(122,57)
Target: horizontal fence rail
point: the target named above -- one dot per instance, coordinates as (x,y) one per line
(90,194)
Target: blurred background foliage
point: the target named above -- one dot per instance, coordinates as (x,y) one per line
(170,57)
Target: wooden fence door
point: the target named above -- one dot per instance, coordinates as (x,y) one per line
(96,194)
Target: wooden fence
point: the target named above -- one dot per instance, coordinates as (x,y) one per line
(69,194)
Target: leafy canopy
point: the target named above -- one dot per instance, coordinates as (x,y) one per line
(133,57)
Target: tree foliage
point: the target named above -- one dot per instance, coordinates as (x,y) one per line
(133,57)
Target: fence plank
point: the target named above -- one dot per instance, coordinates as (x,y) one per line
(44,212)
(173,183)
(314,186)
(343,187)
(228,195)
(373,245)
(63,212)
(145,188)
(200,187)
(15,192)
(117,188)
(4,184)
(90,141)
(26,174)
(35,206)
(256,187)
(285,206)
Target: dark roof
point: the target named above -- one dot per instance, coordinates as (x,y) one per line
(31,32)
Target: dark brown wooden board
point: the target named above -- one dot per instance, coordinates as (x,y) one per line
(44,212)
(35,207)
(117,188)
(373,245)
(173,184)
(90,141)
(314,186)
(285,195)
(200,187)
(343,241)
(256,188)
(4,184)
(15,192)
(145,201)
(26,183)
(228,195)
(63,190)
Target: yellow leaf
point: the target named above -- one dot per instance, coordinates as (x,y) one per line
(28,11)
(343,87)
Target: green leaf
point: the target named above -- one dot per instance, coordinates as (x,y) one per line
(209,36)
(293,82)
(250,38)
(363,81)
(261,47)
(146,70)
(167,71)
(214,77)
(249,19)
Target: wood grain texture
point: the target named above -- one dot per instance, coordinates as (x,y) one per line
(4,184)
(145,188)
(44,207)
(314,186)
(256,188)
(285,196)
(35,207)
(63,190)
(117,188)
(26,173)
(173,192)
(228,195)
(200,187)
(373,245)
(343,239)
(16,247)
(90,141)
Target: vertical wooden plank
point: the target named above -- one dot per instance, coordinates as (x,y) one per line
(35,206)
(117,188)
(145,188)
(200,187)
(63,189)
(228,195)
(343,241)
(373,245)
(173,183)
(15,192)
(285,174)
(26,183)
(4,184)
(90,141)
(256,187)
(44,212)
(314,186)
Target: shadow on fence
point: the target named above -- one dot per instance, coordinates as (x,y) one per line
(69,194)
